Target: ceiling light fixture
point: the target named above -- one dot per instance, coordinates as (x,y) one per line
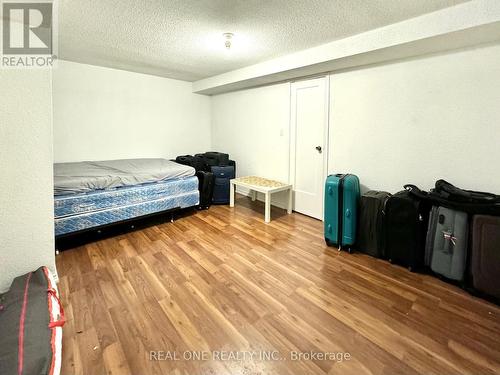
(228,39)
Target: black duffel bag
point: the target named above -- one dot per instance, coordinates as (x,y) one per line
(197,162)
(218,159)
(475,205)
(452,193)
(31,320)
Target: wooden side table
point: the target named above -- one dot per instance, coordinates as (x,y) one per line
(262,185)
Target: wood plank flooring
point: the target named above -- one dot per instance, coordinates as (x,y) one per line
(222,283)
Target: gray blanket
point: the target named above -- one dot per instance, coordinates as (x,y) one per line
(81,177)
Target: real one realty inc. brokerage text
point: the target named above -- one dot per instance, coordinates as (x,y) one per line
(264,355)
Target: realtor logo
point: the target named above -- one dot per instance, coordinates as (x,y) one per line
(27,34)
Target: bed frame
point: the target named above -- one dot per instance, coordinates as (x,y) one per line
(82,237)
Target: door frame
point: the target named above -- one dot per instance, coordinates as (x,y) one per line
(293,133)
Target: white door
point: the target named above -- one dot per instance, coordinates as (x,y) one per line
(308,144)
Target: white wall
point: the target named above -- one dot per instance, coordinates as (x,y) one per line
(253,127)
(419,120)
(102,113)
(26,191)
(409,121)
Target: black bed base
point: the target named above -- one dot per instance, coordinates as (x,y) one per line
(82,237)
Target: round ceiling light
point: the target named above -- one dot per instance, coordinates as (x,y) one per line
(228,39)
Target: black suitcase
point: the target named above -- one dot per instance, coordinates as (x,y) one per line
(222,175)
(406,221)
(206,188)
(232,163)
(371,227)
(485,267)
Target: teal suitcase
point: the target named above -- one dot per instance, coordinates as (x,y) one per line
(341,210)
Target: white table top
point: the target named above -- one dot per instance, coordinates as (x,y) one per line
(261,184)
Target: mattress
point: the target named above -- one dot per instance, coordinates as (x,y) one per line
(87,176)
(75,223)
(75,204)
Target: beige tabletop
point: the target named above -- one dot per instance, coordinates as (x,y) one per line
(264,185)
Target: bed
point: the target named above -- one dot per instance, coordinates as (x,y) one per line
(93,194)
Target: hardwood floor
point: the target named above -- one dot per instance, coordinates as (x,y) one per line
(222,283)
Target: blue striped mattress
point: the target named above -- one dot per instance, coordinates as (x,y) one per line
(83,211)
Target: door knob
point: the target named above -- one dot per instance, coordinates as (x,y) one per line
(319,149)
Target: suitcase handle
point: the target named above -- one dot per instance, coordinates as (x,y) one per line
(452,241)
(416,191)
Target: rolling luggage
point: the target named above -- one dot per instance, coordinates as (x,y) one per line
(341,206)
(222,177)
(406,218)
(371,223)
(485,257)
(446,243)
(232,163)
(206,188)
